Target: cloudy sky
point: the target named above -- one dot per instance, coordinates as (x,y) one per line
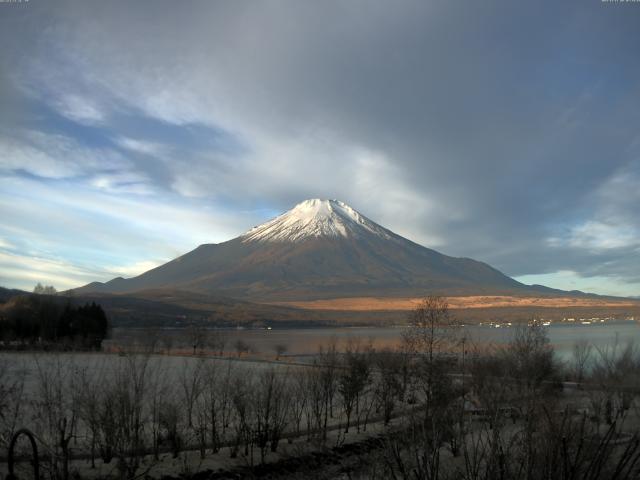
(509,132)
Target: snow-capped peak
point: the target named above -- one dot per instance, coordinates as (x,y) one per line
(315,218)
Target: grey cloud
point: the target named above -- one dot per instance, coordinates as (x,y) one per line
(493,126)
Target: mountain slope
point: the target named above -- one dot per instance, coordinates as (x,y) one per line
(318,249)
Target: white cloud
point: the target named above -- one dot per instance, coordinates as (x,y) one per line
(122,183)
(93,214)
(571,280)
(79,109)
(614,222)
(54,156)
(82,234)
(24,271)
(133,269)
(153,149)
(596,235)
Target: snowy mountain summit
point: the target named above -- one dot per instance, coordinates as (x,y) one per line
(316,218)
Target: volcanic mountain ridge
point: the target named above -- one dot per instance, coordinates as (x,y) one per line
(320,249)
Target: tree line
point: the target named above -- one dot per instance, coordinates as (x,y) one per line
(44,320)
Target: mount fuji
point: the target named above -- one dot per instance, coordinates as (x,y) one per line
(319,249)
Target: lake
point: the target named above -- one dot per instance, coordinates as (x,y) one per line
(306,341)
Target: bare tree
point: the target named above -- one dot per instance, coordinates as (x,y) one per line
(269,413)
(431,334)
(531,366)
(196,337)
(12,382)
(44,289)
(90,397)
(581,354)
(226,398)
(327,368)
(167,341)
(56,409)
(159,388)
(240,397)
(241,347)
(127,412)
(432,329)
(194,401)
(615,371)
(299,399)
(216,341)
(280,350)
(316,404)
(191,378)
(214,404)
(353,377)
(388,383)
(170,420)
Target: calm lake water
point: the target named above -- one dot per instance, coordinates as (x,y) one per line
(305,341)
